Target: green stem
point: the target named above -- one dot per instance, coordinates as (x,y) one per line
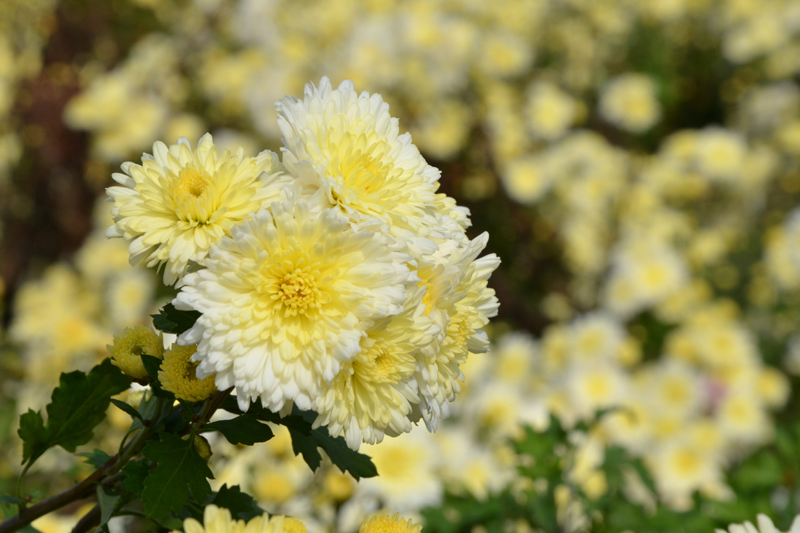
(86,487)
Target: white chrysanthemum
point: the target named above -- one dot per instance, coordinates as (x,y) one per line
(550,111)
(630,102)
(460,303)
(765,525)
(372,394)
(287,298)
(360,160)
(179,202)
(219,520)
(407,472)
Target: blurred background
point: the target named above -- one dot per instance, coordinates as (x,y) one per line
(636,164)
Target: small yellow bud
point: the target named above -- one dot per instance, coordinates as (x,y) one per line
(178,375)
(127,350)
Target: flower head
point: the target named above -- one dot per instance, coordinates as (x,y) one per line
(460,303)
(127,350)
(389,524)
(765,525)
(180,201)
(373,393)
(287,298)
(360,160)
(178,375)
(219,520)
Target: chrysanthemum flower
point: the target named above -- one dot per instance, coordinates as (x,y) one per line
(389,524)
(361,161)
(180,201)
(460,303)
(372,394)
(765,525)
(219,520)
(178,375)
(287,298)
(127,350)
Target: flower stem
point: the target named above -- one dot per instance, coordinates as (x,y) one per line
(86,487)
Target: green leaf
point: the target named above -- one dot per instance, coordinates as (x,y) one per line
(244,429)
(107,503)
(77,405)
(306,440)
(33,434)
(241,505)
(127,408)
(97,458)
(171,320)
(179,471)
(135,473)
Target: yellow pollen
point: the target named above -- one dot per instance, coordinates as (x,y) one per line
(383,364)
(298,291)
(192,182)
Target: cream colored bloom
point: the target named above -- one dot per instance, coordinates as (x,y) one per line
(389,524)
(179,202)
(373,393)
(460,303)
(287,298)
(765,525)
(550,110)
(360,160)
(219,520)
(630,102)
(407,472)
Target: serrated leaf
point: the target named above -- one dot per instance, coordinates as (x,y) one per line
(126,408)
(306,440)
(77,405)
(171,320)
(135,473)
(33,434)
(244,429)
(107,503)
(96,458)
(358,464)
(241,505)
(179,471)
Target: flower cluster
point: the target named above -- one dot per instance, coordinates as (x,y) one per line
(336,279)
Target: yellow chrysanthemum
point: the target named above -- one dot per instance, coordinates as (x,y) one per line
(178,375)
(219,520)
(360,160)
(127,350)
(372,394)
(389,524)
(287,299)
(180,201)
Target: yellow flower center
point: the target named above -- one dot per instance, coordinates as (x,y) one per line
(192,182)
(378,364)
(298,291)
(386,524)
(687,462)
